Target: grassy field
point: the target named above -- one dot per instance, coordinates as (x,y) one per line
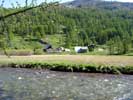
(105,64)
(76,59)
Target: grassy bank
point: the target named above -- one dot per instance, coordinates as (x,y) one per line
(72,63)
(67,67)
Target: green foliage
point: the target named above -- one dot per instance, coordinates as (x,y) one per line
(79,26)
(19,52)
(71,67)
(118,46)
(1,44)
(111,46)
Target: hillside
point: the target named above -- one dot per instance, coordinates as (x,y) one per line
(100,4)
(69,27)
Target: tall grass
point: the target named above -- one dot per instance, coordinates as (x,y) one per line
(69,67)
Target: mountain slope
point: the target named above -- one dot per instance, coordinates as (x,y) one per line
(100,4)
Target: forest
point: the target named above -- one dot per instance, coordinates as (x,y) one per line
(110,29)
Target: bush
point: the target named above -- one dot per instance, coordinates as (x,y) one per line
(38,52)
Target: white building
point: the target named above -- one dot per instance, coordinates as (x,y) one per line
(80,49)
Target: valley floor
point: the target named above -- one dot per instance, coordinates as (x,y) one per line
(76,59)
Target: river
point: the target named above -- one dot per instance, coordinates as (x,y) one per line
(28,84)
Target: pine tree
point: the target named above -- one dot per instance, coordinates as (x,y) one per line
(110,45)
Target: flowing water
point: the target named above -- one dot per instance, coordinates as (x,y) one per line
(26,84)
